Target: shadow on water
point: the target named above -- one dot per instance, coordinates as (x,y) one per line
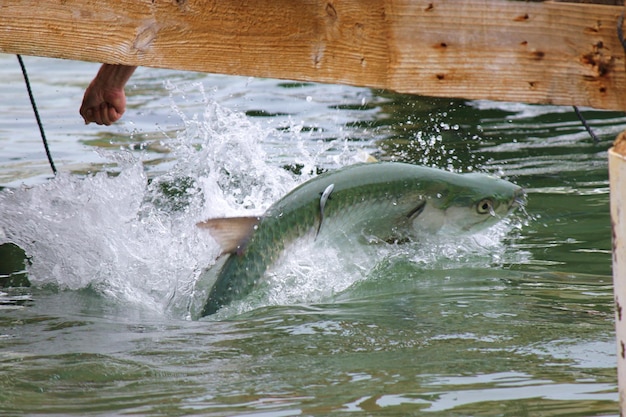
(13,263)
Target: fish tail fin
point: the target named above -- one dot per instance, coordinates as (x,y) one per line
(231,233)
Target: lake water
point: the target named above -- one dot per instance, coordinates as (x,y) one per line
(94,319)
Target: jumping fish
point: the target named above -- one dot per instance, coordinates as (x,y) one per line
(384,201)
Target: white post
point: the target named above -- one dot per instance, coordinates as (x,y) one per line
(617,180)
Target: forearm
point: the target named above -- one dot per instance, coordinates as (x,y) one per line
(114,76)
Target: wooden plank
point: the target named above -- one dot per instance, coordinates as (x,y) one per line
(536,52)
(560,53)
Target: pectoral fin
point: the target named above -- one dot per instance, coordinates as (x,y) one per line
(231,233)
(417,210)
(323,199)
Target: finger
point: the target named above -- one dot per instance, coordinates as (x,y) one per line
(87,115)
(97,116)
(104,114)
(113,114)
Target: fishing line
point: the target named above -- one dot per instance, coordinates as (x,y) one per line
(595,138)
(34,105)
(620,36)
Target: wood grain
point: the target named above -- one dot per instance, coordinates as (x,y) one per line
(558,53)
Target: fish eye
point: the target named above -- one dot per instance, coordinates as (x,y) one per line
(485,206)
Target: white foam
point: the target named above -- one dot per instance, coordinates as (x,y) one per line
(313,272)
(125,237)
(134,240)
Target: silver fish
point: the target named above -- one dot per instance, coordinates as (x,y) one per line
(384,201)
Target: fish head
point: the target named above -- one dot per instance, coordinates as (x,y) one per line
(470,204)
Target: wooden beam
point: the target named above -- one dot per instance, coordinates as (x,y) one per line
(559,53)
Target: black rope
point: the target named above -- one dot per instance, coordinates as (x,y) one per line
(32,102)
(595,138)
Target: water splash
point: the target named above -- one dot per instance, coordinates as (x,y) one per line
(89,233)
(315,272)
(133,238)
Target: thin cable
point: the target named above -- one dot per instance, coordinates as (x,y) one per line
(595,138)
(34,105)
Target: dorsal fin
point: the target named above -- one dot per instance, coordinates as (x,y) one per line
(231,233)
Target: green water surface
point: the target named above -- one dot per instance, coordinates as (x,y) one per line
(525,330)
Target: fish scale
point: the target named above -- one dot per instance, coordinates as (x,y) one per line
(374,200)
